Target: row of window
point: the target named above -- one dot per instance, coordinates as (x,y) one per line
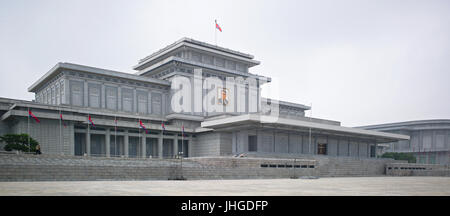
(126,101)
(407,168)
(217,61)
(322,148)
(285,166)
(53,94)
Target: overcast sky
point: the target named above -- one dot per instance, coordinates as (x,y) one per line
(358,62)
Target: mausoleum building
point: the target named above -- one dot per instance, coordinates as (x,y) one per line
(189,98)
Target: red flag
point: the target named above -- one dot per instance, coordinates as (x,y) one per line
(33,116)
(64,123)
(90,121)
(218,27)
(143,126)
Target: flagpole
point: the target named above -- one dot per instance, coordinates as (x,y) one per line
(89,136)
(182,139)
(60,129)
(139,136)
(310,116)
(28,130)
(162,138)
(182,153)
(115,135)
(215,32)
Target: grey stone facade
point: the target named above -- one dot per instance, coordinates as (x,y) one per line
(429,142)
(117,102)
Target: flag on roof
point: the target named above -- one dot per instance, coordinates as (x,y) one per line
(30,114)
(218,27)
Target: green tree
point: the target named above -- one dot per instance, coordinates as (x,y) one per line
(400,156)
(19,142)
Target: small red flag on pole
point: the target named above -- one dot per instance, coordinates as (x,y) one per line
(33,116)
(91,122)
(218,27)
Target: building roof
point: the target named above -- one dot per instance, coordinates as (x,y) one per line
(290,104)
(198,45)
(60,66)
(299,125)
(444,123)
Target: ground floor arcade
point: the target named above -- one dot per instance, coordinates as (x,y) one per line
(109,142)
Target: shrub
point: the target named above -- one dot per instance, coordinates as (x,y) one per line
(19,142)
(400,156)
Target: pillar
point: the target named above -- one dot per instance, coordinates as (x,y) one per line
(175,145)
(108,142)
(144,145)
(190,145)
(88,142)
(160,146)
(125,139)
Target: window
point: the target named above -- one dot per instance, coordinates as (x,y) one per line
(127,100)
(252,143)
(373,151)
(76,92)
(142,102)
(322,148)
(156,103)
(94,95)
(111,98)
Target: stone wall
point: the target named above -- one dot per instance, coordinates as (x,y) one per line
(48,134)
(413,169)
(329,166)
(25,167)
(4,129)
(206,144)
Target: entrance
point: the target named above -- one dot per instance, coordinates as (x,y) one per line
(252,144)
(322,148)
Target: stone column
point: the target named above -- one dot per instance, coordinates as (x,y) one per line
(88,142)
(190,146)
(119,98)
(125,140)
(108,142)
(86,94)
(175,145)
(103,93)
(160,146)
(144,145)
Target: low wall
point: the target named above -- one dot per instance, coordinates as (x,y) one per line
(64,168)
(412,169)
(333,166)
(24,167)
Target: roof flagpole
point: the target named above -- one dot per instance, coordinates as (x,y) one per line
(215,33)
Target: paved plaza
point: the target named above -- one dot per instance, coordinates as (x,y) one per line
(347,186)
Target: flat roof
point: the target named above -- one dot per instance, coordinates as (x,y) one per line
(197,45)
(64,65)
(406,123)
(299,125)
(285,103)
